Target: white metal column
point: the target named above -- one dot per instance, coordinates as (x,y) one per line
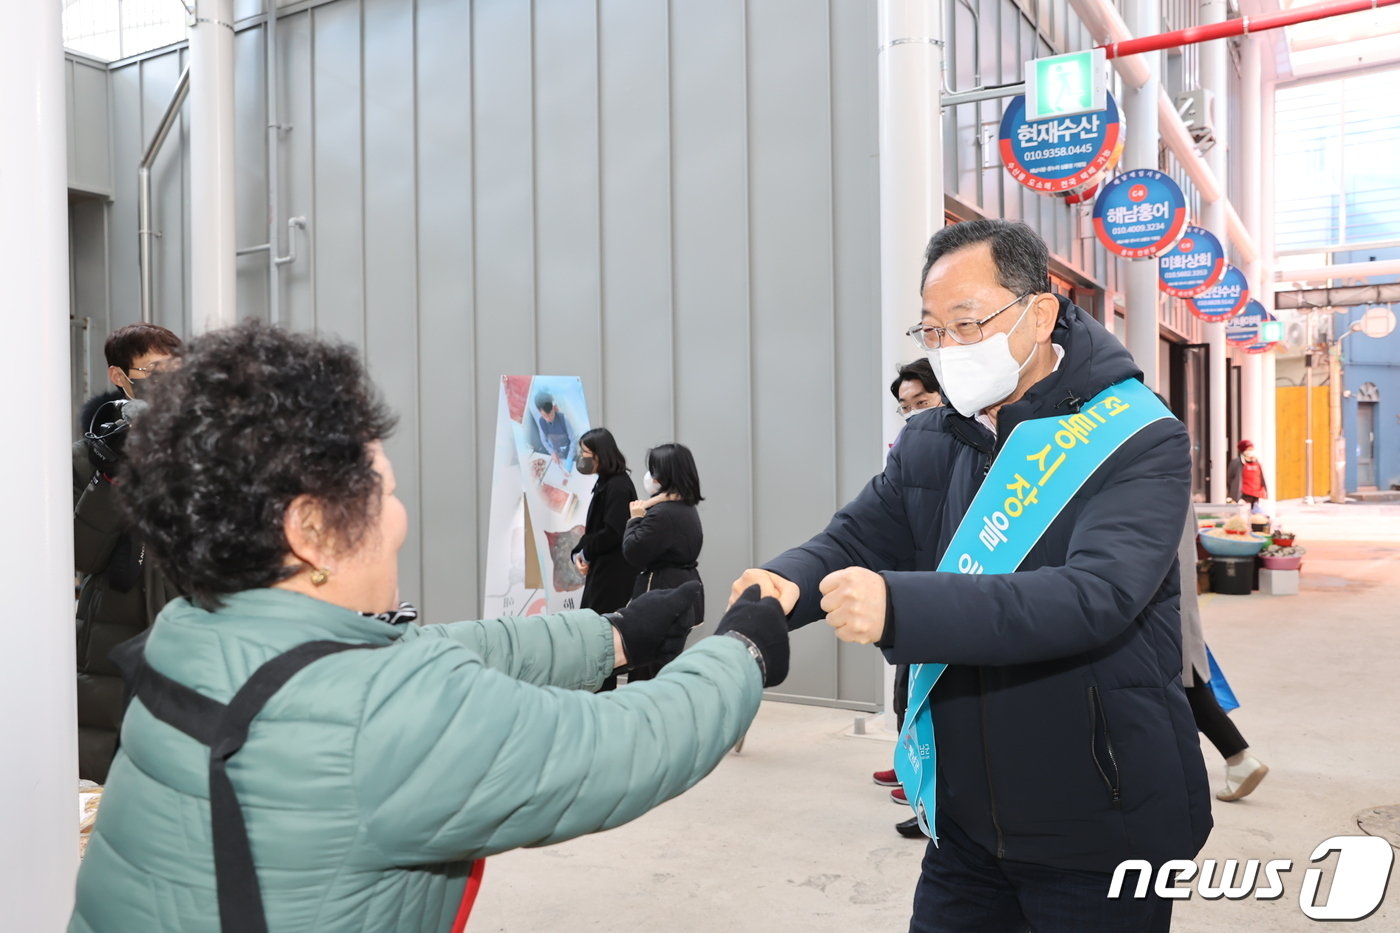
(1266,444)
(1215,77)
(38,710)
(212,246)
(1140,151)
(1252,394)
(911,178)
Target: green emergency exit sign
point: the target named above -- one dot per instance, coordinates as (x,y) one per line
(1064,85)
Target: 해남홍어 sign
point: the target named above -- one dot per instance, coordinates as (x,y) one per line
(1140,214)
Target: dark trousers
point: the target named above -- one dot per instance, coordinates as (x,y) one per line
(965,889)
(1212,720)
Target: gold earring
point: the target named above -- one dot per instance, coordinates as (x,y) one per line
(319,576)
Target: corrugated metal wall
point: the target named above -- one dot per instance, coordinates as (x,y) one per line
(675,201)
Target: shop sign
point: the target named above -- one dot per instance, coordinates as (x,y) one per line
(1140,214)
(1244,328)
(1224,299)
(1195,264)
(1060,154)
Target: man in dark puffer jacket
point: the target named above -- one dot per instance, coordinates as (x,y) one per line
(1064,741)
(121,592)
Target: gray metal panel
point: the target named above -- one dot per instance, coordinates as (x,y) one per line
(337,239)
(860,399)
(452,453)
(169,206)
(711,279)
(69,111)
(250,157)
(791,287)
(296,280)
(89,129)
(87,237)
(503,234)
(568,274)
(390,232)
(127,145)
(180,143)
(634,86)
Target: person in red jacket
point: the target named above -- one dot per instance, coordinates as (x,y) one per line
(1244,480)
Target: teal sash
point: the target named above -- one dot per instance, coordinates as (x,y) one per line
(1042,465)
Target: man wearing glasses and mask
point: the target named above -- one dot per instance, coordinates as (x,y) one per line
(121,591)
(1019,552)
(915,388)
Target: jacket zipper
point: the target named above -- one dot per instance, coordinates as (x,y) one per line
(987,760)
(1097,714)
(650,576)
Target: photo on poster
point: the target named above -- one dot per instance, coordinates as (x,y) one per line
(538,497)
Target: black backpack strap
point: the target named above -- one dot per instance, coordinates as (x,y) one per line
(224,729)
(168,700)
(240,896)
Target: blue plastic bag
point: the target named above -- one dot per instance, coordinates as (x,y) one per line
(1221,687)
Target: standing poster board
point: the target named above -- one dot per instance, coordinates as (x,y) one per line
(539,500)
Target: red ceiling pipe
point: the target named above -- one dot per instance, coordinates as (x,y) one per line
(1242,26)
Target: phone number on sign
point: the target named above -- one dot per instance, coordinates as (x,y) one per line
(1037,155)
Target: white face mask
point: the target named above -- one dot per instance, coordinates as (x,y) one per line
(651,486)
(979,375)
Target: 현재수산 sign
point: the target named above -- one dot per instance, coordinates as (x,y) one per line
(1060,154)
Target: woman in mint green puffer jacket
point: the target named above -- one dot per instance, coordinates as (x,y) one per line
(372,779)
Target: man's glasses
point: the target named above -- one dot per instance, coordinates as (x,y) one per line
(157,367)
(966,331)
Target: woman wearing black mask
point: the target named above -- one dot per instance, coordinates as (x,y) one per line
(608,577)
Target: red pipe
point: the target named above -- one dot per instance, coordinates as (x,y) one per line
(1242,26)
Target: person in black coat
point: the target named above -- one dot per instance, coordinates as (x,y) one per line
(121,591)
(608,577)
(664,537)
(1065,744)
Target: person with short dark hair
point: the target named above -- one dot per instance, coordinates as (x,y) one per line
(121,591)
(663,537)
(915,388)
(556,436)
(299,758)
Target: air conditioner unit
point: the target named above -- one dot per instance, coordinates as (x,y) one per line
(1197,111)
(1295,337)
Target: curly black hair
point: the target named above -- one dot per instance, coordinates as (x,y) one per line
(254,417)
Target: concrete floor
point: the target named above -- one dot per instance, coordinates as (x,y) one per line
(791,835)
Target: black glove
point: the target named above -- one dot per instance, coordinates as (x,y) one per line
(761,625)
(653,619)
